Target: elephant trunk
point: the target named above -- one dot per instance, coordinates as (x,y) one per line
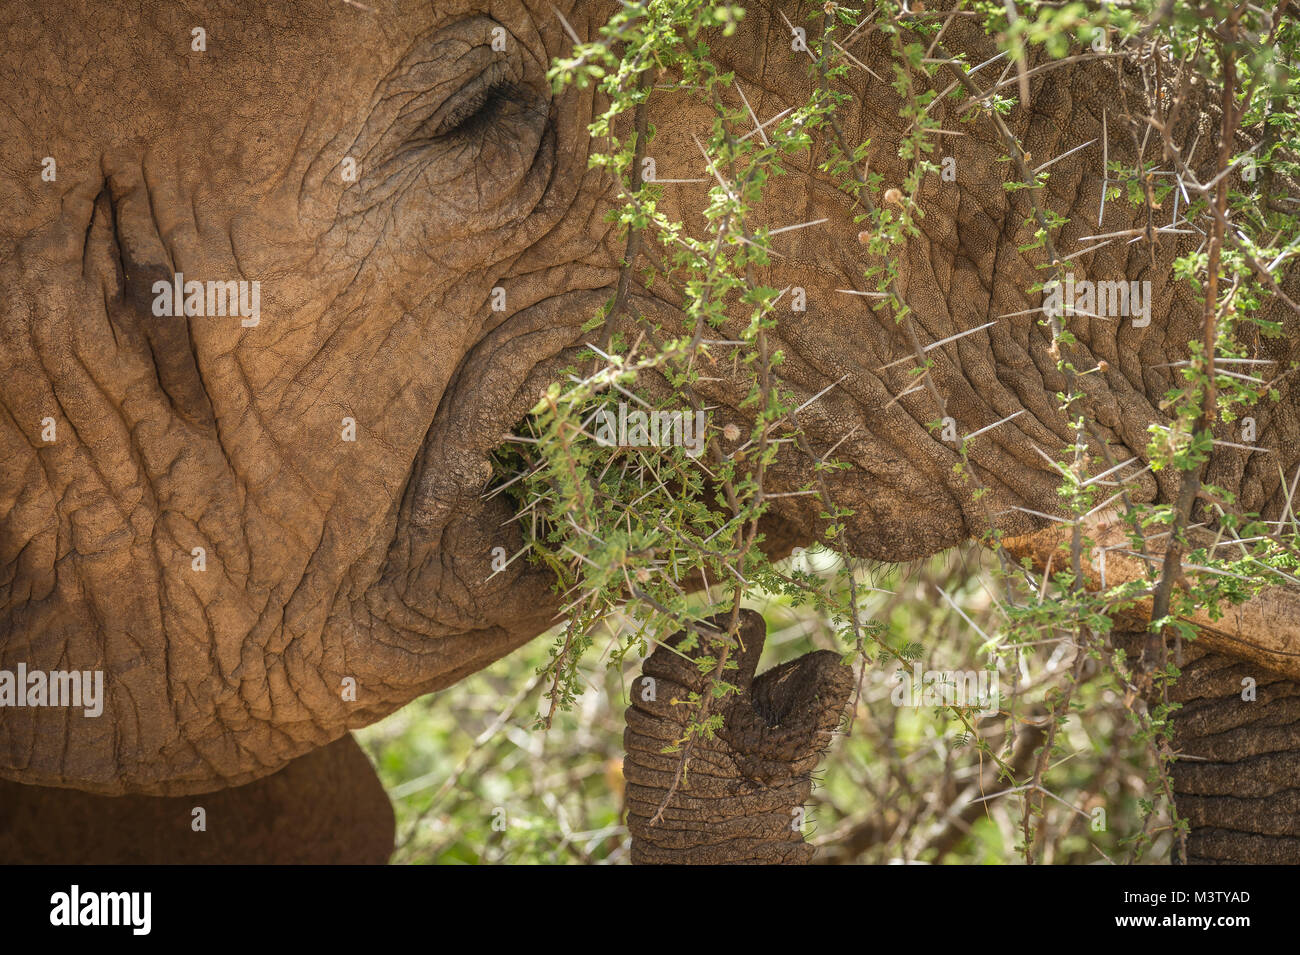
(741,798)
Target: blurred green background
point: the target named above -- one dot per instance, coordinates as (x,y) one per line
(473,782)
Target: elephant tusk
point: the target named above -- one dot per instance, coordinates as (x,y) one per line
(1264,629)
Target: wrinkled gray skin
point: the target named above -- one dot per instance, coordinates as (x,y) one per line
(330,560)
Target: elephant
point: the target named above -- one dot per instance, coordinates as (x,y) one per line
(281,278)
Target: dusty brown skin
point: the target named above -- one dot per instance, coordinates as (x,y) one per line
(370,560)
(325,808)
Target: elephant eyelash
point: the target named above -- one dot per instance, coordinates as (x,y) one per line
(478,111)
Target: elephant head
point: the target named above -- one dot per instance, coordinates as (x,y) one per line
(281,279)
(264,526)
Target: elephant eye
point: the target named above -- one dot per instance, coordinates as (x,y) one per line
(477,110)
(464,122)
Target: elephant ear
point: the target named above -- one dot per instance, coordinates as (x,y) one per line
(741,799)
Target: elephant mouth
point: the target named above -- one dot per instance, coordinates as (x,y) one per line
(466,497)
(452,530)
(495,385)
